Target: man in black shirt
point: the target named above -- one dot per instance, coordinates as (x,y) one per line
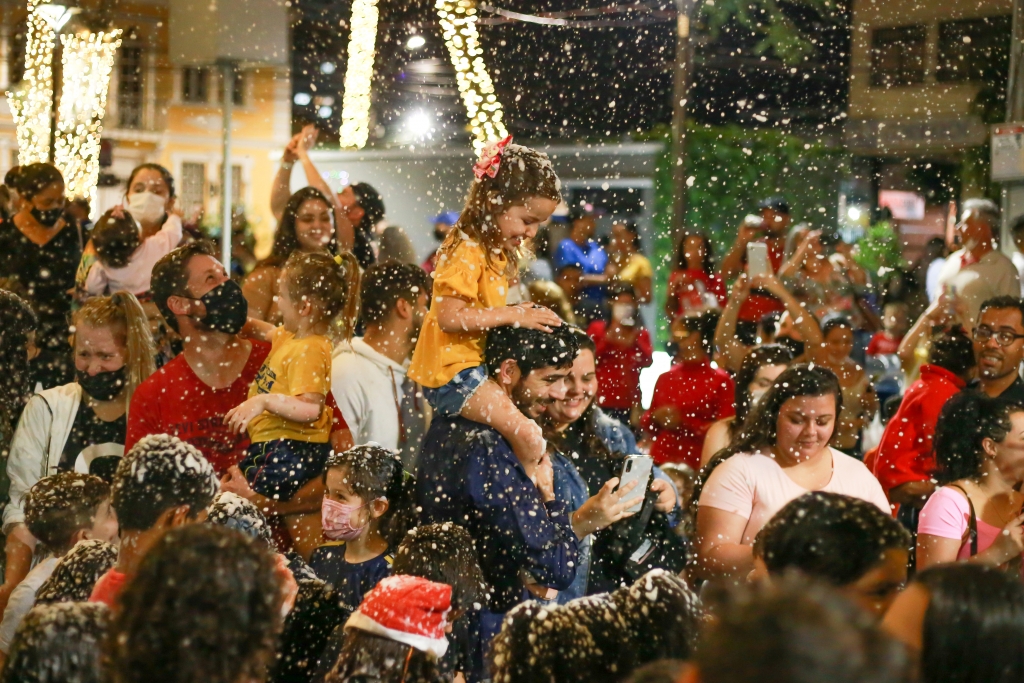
(999,348)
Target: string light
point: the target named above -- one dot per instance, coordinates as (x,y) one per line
(355,104)
(87,61)
(32,100)
(458,23)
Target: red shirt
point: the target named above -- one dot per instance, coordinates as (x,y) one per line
(905,451)
(108,587)
(760,302)
(703,395)
(175,401)
(683,282)
(883,344)
(618,367)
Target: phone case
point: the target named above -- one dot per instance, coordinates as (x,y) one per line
(637,468)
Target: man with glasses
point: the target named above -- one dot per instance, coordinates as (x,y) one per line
(979,271)
(999,347)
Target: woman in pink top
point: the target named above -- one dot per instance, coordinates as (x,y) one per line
(979,457)
(781,453)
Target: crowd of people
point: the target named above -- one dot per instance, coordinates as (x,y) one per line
(338,463)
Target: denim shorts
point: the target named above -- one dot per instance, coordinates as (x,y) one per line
(448,400)
(278,469)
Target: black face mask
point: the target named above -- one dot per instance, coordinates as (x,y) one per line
(226,308)
(797,347)
(439,235)
(48,217)
(103,386)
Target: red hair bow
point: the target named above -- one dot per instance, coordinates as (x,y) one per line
(490,160)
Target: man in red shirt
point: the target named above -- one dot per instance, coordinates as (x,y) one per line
(689,397)
(904,463)
(161,483)
(189,396)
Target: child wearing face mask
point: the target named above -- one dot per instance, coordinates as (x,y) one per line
(515,190)
(287,413)
(367,510)
(124,261)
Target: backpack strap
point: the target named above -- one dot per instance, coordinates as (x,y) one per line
(972,527)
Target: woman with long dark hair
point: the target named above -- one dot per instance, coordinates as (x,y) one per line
(18,324)
(965,622)
(694,285)
(594,445)
(757,373)
(979,458)
(307,225)
(781,453)
(40,248)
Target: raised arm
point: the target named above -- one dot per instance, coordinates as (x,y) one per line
(732,264)
(804,321)
(346,232)
(281,190)
(729,351)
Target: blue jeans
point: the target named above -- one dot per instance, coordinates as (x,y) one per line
(278,469)
(448,400)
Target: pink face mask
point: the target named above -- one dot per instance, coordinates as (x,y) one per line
(336,519)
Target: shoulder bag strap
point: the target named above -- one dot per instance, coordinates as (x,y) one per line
(973,523)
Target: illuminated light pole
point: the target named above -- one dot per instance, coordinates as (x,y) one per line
(32,103)
(87,61)
(458,24)
(355,104)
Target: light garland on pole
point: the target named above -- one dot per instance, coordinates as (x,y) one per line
(32,100)
(355,104)
(458,23)
(87,61)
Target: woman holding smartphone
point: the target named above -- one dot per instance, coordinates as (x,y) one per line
(781,453)
(583,439)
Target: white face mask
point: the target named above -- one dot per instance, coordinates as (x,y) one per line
(624,313)
(146,207)
(756,395)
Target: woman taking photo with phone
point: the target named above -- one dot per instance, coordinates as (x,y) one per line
(781,453)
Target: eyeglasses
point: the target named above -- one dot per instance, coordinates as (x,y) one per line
(1003,337)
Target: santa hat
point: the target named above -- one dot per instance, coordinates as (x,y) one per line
(408,610)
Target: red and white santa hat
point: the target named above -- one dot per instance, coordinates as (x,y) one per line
(408,610)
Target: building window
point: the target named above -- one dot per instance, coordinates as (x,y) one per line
(236,183)
(129,88)
(193,188)
(973,49)
(194,83)
(898,55)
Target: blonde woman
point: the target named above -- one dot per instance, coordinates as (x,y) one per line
(78,426)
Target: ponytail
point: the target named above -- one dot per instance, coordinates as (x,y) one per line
(331,281)
(123,309)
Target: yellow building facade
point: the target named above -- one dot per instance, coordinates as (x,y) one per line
(170,115)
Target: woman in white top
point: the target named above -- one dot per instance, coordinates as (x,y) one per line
(781,453)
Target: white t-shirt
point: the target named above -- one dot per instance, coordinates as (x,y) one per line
(754,486)
(993,275)
(23,598)
(135,276)
(1018,262)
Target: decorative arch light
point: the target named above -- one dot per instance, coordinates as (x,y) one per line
(355,103)
(88,59)
(458,24)
(31,101)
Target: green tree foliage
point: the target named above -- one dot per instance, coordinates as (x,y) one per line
(729,170)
